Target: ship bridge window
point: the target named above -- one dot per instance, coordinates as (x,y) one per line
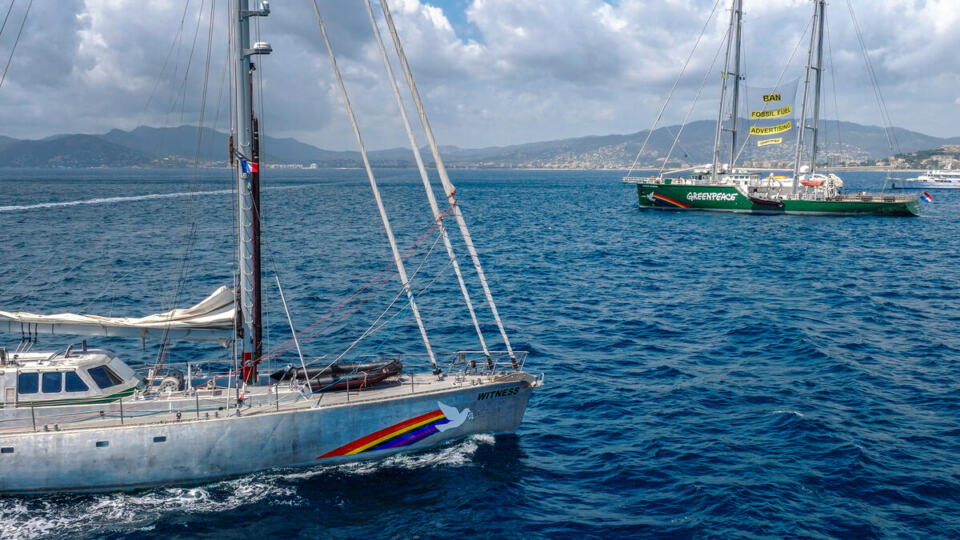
(73,383)
(28,383)
(52,383)
(104,377)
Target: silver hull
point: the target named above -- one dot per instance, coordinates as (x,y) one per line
(170,450)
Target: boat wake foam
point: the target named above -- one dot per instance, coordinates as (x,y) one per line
(103,514)
(97,515)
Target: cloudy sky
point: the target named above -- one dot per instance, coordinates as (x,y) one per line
(492,72)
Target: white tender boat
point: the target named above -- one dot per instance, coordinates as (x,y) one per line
(81,419)
(935,179)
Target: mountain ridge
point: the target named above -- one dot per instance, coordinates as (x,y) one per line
(144,146)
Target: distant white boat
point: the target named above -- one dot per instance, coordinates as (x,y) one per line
(936,179)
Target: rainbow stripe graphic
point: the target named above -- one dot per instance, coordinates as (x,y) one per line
(669,201)
(398,435)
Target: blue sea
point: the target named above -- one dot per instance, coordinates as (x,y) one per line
(706,375)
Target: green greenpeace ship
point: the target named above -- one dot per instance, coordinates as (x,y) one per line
(721,187)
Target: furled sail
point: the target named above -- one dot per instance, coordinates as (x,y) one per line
(210,320)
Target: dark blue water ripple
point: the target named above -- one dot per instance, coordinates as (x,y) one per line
(707,375)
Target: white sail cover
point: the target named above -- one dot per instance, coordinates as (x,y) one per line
(210,320)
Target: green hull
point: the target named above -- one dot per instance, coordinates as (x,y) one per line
(729,199)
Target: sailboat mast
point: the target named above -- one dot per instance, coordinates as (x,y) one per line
(733,50)
(245,157)
(735,99)
(816,41)
(818,71)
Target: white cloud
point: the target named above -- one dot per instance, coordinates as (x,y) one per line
(524,70)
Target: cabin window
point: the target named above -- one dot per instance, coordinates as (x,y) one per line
(104,377)
(161,438)
(28,383)
(52,383)
(6,450)
(73,383)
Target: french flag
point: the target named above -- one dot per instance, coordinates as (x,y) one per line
(926,197)
(249,166)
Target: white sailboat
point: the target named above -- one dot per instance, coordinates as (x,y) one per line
(81,419)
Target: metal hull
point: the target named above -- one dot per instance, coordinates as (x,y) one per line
(196,450)
(729,199)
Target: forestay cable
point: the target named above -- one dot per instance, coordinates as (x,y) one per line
(376,191)
(672,90)
(16,41)
(448,187)
(437,216)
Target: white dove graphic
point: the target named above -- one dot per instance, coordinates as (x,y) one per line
(456,418)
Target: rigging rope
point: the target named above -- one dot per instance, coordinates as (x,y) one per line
(833,82)
(193,47)
(373,285)
(686,117)
(376,191)
(192,235)
(163,68)
(431,198)
(16,41)
(7,16)
(672,90)
(448,186)
(892,142)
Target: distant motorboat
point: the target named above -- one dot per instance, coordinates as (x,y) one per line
(935,179)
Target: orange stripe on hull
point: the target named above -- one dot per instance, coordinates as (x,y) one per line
(670,201)
(372,439)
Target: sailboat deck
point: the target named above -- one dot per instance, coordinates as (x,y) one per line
(124,412)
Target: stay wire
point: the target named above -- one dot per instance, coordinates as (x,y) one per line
(376,191)
(686,117)
(193,48)
(163,68)
(833,82)
(15,42)
(7,16)
(192,234)
(892,142)
(676,83)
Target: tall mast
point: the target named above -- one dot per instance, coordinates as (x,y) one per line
(734,37)
(245,157)
(821,8)
(815,54)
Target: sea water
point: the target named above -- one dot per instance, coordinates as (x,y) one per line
(712,375)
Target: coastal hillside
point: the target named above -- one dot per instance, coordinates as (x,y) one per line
(842,143)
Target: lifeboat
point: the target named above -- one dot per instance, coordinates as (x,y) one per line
(342,376)
(811,183)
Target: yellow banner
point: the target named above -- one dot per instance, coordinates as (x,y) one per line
(772,130)
(765,142)
(767,98)
(776,113)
